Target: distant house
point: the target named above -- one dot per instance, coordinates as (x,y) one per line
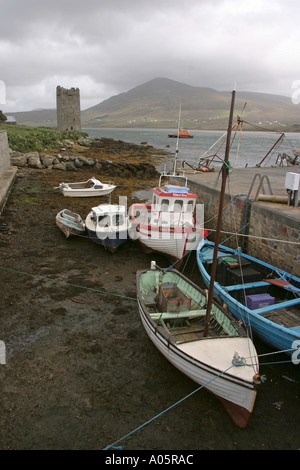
(11,120)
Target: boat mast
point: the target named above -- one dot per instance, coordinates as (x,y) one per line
(177,141)
(277,142)
(219,222)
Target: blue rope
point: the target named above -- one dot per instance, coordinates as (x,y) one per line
(167,409)
(112,446)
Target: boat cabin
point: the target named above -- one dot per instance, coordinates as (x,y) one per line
(172,205)
(108,215)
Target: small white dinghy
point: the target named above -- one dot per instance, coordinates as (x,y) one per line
(70,223)
(89,188)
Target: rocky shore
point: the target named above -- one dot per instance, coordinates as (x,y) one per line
(99,154)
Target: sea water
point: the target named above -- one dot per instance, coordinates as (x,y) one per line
(249,148)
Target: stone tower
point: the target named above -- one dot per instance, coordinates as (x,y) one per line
(68,109)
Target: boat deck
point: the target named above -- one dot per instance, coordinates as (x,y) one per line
(290,318)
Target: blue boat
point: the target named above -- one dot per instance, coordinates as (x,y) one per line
(260,295)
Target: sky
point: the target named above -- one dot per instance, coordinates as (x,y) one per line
(109,47)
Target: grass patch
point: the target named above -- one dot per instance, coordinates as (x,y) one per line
(33,189)
(26,200)
(31,139)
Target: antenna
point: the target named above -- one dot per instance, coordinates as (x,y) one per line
(177,141)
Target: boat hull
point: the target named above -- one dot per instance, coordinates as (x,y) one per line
(90,188)
(174,245)
(70,223)
(111,243)
(274,334)
(174,136)
(208,362)
(86,193)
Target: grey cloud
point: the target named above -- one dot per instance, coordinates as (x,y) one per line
(110,47)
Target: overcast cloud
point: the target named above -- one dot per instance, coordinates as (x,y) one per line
(108,47)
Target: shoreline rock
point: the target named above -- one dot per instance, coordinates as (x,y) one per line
(75,161)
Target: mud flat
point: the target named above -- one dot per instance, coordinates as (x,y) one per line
(80,371)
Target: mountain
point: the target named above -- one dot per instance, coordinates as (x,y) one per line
(37,117)
(156,104)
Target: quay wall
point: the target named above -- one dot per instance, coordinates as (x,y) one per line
(7,171)
(4,152)
(270,230)
(282,230)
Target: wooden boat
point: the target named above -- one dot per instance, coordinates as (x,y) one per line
(173,312)
(261,295)
(170,224)
(107,225)
(89,188)
(70,223)
(181,134)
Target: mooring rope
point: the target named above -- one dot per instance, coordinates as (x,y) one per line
(237,364)
(167,409)
(45,278)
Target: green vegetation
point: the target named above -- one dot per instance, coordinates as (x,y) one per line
(2,117)
(29,139)
(33,189)
(26,200)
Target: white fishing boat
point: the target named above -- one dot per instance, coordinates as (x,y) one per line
(89,188)
(107,225)
(173,312)
(172,223)
(70,223)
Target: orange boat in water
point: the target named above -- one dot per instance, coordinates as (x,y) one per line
(182,134)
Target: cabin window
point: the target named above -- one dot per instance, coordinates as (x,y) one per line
(178,204)
(190,206)
(164,204)
(117,219)
(103,220)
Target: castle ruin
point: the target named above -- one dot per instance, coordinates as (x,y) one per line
(68,109)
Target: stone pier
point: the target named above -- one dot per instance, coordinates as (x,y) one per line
(272,229)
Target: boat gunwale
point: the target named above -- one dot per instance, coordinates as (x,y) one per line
(170,343)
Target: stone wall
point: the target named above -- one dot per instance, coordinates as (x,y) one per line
(4,152)
(60,162)
(234,211)
(273,229)
(68,109)
(267,223)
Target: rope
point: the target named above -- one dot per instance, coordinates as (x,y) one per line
(167,409)
(256,236)
(67,283)
(238,364)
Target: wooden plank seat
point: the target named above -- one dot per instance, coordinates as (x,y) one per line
(246,286)
(176,315)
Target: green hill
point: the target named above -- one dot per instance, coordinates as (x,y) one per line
(156,104)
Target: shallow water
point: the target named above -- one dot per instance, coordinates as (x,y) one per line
(248,149)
